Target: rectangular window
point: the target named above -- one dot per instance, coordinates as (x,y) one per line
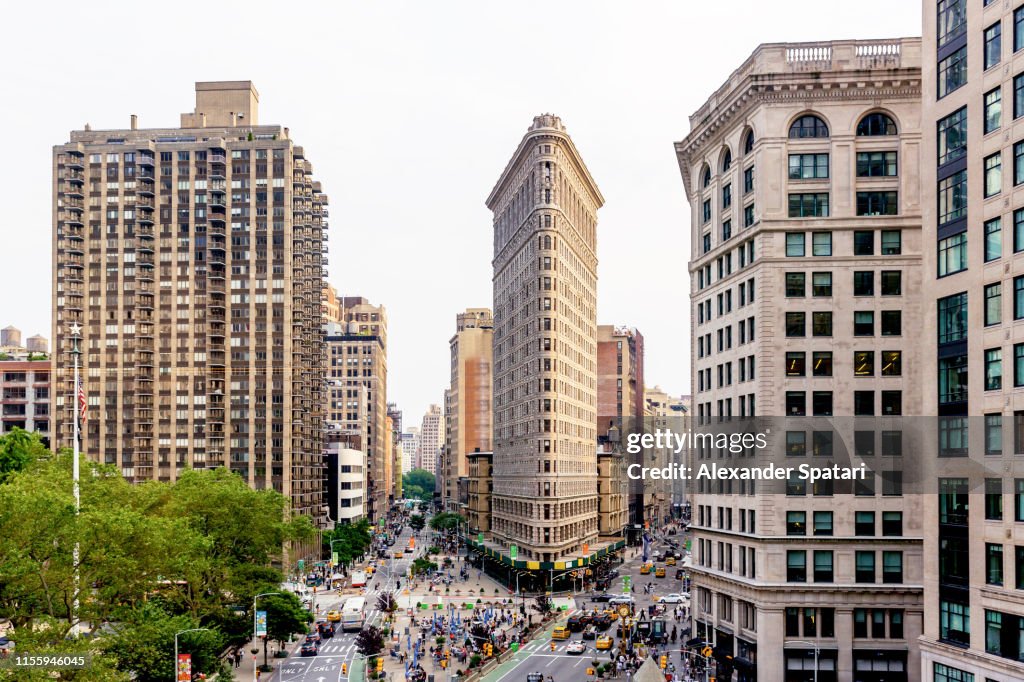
(864,523)
(808,205)
(993,110)
(1018,28)
(822,366)
(993,434)
(863,243)
(823,523)
(993,303)
(727,233)
(795,244)
(952,72)
(892,523)
(951,20)
(952,318)
(1018,365)
(796,324)
(993,45)
(892,323)
(1018,163)
(748,215)
(796,284)
(892,242)
(823,566)
(865,567)
(808,166)
(876,164)
(952,254)
(726,196)
(993,499)
(796,566)
(821,284)
(993,239)
(954,626)
(821,244)
(864,403)
(864,363)
(1018,96)
(993,174)
(953,379)
(796,363)
(748,180)
(796,523)
(1018,298)
(892,363)
(892,567)
(877,203)
(953,197)
(821,323)
(706,210)
(952,138)
(993,564)
(864,323)
(863,283)
(796,403)
(993,369)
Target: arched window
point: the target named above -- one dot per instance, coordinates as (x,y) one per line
(808,125)
(748,142)
(876,124)
(705,177)
(726,160)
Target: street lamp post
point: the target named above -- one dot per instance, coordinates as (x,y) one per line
(816,653)
(176,648)
(255,637)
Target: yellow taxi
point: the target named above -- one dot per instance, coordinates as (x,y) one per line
(370,569)
(612,613)
(645,569)
(399,554)
(603,643)
(561,632)
(334,616)
(660,573)
(671,561)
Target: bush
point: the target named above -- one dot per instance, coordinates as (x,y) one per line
(474,660)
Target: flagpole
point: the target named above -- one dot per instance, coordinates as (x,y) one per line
(76,351)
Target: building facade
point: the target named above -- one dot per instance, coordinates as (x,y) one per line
(973,601)
(193,258)
(545,347)
(480,486)
(467,400)
(25,396)
(802,176)
(357,375)
(345,477)
(410,446)
(431,439)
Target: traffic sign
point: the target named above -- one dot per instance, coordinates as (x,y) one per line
(480,538)
(513,552)
(706,652)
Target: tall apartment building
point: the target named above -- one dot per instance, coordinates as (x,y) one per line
(664,411)
(193,259)
(431,440)
(467,400)
(25,396)
(545,347)
(620,403)
(357,391)
(802,175)
(395,415)
(974,580)
(410,446)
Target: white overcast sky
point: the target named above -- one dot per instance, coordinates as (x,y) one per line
(409,111)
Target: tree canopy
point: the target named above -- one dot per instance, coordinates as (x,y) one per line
(154,557)
(447,521)
(418,484)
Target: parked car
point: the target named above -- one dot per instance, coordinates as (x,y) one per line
(576,648)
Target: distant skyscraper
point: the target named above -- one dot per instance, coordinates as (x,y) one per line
(545,347)
(357,391)
(193,257)
(468,400)
(431,439)
(410,447)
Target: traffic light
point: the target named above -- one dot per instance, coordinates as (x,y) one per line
(380,665)
(552,645)
(663,662)
(344,668)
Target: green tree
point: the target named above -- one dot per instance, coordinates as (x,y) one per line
(144,645)
(352,540)
(422,565)
(417,522)
(418,484)
(18,449)
(285,616)
(370,641)
(447,521)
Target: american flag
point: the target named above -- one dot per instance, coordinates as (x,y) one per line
(83,404)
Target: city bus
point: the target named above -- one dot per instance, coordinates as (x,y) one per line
(352,614)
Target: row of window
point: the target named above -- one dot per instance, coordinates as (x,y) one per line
(816,166)
(890,281)
(864,523)
(822,401)
(891,243)
(820,622)
(816,205)
(822,569)
(863,323)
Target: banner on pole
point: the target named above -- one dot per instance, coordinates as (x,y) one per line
(261,623)
(184,668)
